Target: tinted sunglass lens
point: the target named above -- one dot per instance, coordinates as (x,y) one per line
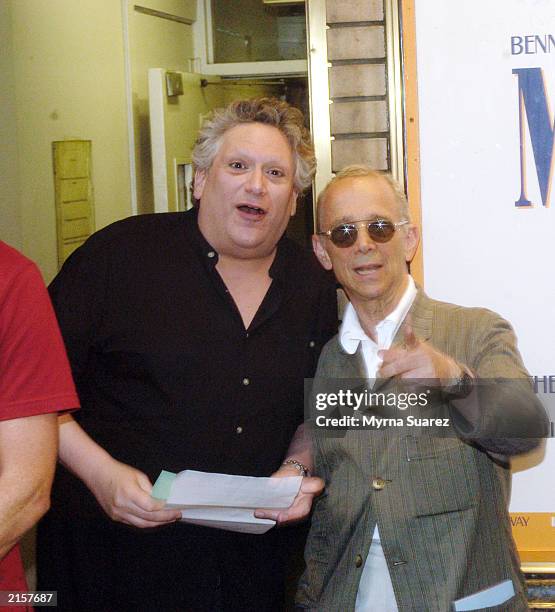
(381,230)
(344,235)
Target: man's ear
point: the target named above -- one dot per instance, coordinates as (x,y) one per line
(321,253)
(200,181)
(412,240)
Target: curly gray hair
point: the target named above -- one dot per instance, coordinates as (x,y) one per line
(269,111)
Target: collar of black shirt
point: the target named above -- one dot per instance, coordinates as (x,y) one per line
(209,256)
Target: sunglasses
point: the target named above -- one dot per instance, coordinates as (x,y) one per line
(346,234)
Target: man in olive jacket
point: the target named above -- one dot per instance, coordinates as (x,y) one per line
(414,518)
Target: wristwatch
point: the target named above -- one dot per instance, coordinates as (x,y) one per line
(461,387)
(303,470)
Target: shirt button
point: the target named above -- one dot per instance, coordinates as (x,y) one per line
(239,430)
(246,381)
(358,561)
(378,484)
(312,344)
(211,254)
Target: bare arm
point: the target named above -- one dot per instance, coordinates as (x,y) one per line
(300,448)
(28,448)
(123,491)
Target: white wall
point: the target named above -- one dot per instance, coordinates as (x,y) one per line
(479,248)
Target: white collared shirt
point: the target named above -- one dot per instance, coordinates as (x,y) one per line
(351,335)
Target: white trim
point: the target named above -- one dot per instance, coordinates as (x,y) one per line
(199,36)
(129,108)
(394,90)
(206,15)
(282,1)
(288,67)
(182,195)
(163,15)
(156,102)
(319,92)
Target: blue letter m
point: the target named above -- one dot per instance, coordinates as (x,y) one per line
(533,98)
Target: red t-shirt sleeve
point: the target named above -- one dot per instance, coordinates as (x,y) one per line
(35,377)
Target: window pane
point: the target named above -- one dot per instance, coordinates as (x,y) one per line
(251,31)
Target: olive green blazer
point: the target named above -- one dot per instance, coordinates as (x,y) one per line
(441,506)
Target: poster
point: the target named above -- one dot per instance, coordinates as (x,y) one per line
(486,87)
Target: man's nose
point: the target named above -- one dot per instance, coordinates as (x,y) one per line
(256,181)
(364,243)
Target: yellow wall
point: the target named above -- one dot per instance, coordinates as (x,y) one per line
(69,83)
(64,77)
(10,218)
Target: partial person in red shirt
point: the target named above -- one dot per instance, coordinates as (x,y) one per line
(35,383)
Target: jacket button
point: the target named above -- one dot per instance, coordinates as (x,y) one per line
(358,561)
(400,562)
(378,484)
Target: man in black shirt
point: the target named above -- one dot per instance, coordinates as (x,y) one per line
(189,336)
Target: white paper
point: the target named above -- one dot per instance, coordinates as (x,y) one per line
(228,502)
(231,519)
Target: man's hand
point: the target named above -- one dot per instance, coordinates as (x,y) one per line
(125,495)
(123,491)
(419,361)
(311,487)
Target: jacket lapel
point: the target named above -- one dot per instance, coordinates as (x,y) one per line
(348,365)
(421,314)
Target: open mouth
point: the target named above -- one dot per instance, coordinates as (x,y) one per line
(367,269)
(251,210)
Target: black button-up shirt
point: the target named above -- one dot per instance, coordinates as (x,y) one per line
(168,376)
